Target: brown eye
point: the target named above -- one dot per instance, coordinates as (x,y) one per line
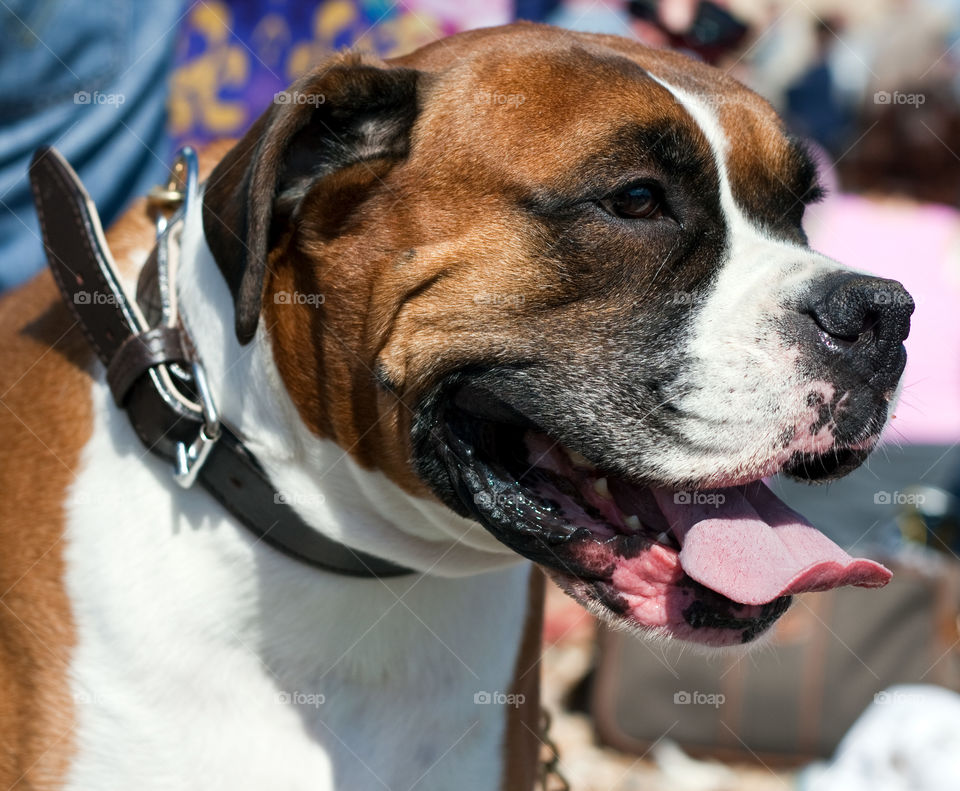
(639,202)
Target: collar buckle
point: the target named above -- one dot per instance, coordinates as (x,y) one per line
(191,459)
(176,424)
(178,195)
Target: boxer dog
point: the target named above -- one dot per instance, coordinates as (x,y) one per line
(523,295)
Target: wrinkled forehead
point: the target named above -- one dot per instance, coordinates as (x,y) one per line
(538,103)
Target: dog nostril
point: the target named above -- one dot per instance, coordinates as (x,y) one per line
(841,340)
(871,321)
(859,311)
(833,338)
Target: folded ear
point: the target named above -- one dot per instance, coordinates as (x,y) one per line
(345,111)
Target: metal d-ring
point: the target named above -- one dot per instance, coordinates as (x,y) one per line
(191,459)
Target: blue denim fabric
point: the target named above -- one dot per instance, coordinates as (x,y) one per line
(89,77)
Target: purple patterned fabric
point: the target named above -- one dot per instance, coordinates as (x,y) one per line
(233,57)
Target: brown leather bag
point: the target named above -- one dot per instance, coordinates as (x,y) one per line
(792,700)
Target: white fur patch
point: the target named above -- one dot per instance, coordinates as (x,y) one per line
(205,659)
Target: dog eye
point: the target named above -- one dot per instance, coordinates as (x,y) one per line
(636,202)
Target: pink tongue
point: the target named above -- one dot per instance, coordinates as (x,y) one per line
(746,544)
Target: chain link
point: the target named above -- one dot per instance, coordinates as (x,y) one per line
(550,777)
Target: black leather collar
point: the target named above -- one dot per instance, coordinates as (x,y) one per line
(155,377)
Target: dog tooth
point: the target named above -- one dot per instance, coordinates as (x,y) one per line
(579,460)
(632,521)
(663,538)
(600,487)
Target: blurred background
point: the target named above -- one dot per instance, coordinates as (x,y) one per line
(852,691)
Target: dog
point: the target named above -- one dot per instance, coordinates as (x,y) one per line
(524,299)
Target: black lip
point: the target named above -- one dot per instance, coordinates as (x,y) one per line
(824,467)
(490,490)
(712,611)
(487,474)
(479,444)
(469,446)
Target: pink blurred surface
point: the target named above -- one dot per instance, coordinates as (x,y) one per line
(465,14)
(919,245)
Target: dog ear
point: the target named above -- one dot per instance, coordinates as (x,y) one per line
(344,112)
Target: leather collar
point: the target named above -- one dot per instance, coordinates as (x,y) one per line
(155,376)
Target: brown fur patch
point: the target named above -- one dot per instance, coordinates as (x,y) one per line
(45,420)
(761,161)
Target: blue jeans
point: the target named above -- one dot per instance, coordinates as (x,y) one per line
(89,77)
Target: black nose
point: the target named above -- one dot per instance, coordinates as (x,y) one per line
(864,318)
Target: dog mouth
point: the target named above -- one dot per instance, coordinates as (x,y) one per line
(715,566)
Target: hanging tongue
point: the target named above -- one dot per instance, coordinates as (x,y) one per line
(746,544)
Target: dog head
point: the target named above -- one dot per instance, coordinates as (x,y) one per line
(559,282)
